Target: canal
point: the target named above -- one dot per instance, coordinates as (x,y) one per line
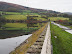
(9,44)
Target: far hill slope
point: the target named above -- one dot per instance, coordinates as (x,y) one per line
(8,6)
(69,13)
(4,6)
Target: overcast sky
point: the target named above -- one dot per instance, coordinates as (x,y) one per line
(56,5)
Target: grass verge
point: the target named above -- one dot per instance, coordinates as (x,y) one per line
(63,43)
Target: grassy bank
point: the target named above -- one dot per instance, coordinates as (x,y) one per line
(24,47)
(63,43)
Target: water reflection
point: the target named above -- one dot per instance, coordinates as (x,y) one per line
(21,25)
(1,24)
(34,24)
(18,29)
(9,44)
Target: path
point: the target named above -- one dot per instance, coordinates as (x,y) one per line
(46,49)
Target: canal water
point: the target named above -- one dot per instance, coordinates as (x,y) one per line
(9,44)
(63,27)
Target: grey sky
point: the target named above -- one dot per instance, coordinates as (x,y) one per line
(57,5)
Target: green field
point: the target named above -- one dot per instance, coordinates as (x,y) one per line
(13,13)
(24,12)
(16,25)
(57,18)
(63,43)
(15,17)
(21,17)
(43,19)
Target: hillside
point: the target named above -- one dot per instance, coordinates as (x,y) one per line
(4,6)
(69,13)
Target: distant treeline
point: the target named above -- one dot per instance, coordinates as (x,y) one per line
(56,15)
